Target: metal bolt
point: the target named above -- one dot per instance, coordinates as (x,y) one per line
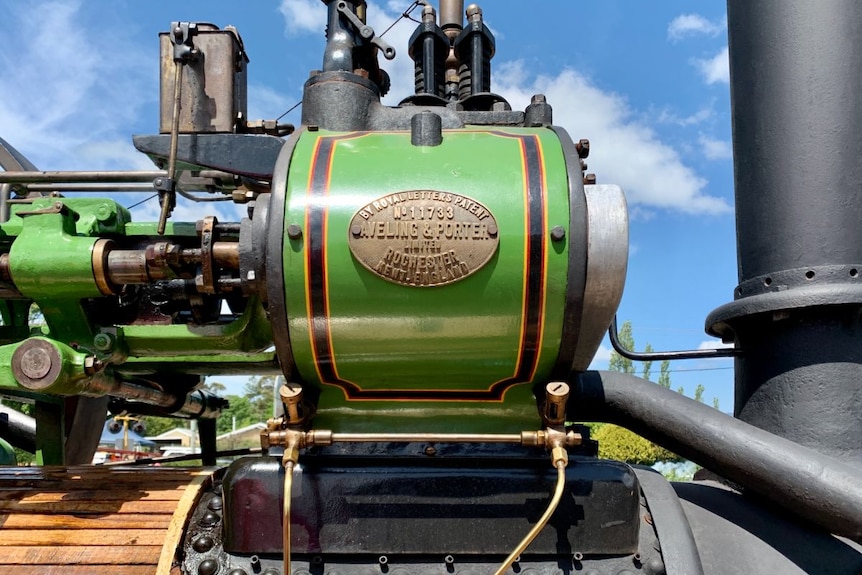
(473,10)
(208,567)
(103,341)
(430,451)
(36,363)
(583,148)
(237,572)
(356,230)
(92,364)
(589,179)
(215,504)
(449,559)
(158,182)
(492,230)
(209,519)
(294,232)
(203,544)
(558,233)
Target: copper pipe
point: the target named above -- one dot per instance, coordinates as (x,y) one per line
(427,437)
(226,254)
(560,462)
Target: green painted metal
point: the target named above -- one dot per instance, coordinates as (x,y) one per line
(7,454)
(50,259)
(434,352)
(69,380)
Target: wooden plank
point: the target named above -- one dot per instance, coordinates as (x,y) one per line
(127,521)
(80,555)
(91,537)
(81,537)
(121,493)
(89,507)
(7,485)
(142,475)
(83,570)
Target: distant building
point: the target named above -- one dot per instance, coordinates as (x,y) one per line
(248,436)
(178,436)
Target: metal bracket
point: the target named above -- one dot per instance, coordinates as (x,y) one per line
(182,34)
(56,208)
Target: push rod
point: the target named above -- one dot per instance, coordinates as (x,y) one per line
(75,177)
(819,488)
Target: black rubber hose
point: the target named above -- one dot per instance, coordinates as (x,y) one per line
(18,429)
(813,486)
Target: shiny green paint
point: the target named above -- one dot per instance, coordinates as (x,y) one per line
(462,336)
(50,259)
(70,377)
(7,454)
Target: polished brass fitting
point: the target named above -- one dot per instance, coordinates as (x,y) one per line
(556,397)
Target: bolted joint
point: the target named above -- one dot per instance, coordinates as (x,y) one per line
(583,148)
(559,456)
(181,38)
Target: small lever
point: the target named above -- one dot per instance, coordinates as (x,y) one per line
(366,31)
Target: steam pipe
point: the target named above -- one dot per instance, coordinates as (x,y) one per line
(814,486)
(452,14)
(18,429)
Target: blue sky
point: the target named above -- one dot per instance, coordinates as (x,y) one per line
(647,83)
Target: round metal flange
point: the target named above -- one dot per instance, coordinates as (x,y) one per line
(36,364)
(101,249)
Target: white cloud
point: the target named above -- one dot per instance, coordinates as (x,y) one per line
(601,359)
(58,103)
(714,344)
(666,116)
(715,149)
(624,150)
(303,16)
(687,25)
(716,69)
(266,103)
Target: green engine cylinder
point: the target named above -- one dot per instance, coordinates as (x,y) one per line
(430,283)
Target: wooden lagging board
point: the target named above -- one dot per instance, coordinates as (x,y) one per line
(95,520)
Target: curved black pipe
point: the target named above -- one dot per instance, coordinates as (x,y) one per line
(811,485)
(18,429)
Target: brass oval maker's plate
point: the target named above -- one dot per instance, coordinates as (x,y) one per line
(423,238)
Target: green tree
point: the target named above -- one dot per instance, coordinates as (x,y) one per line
(664,374)
(621,444)
(715,402)
(158,425)
(698,392)
(241,410)
(259,391)
(647,365)
(618,362)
